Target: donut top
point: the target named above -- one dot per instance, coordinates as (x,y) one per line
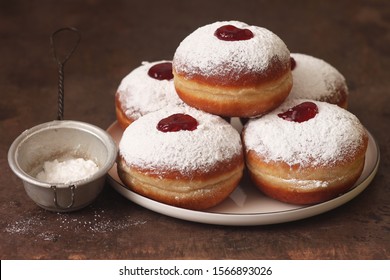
(315,79)
(143,91)
(203,53)
(326,138)
(212,141)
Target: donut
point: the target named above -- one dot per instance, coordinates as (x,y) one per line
(146,89)
(315,79)
(305,151)
(182,157)
(232,69)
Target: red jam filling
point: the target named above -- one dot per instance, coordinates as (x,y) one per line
(177,122)
(161,71)
(293,63)
(300,113)
(232,33)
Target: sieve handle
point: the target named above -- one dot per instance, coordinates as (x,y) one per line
(61,63)
(72,190)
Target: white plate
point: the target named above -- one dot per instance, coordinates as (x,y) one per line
(247,205)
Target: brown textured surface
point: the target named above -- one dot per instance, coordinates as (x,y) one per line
(116,36)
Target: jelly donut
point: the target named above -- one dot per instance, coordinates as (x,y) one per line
(181,156)
(146,89)
(315,79)
(305,152)
(232,69)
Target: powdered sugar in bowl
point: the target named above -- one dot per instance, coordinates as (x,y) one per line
(63,164)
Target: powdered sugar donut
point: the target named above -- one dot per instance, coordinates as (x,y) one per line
(305,152)
(232,69)
(181,156)
(146,89)
(315,79)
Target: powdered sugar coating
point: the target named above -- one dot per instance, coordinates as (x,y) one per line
(140,94)
(67,171)
(315,79)
(203,53)
(329,137)
(213,141)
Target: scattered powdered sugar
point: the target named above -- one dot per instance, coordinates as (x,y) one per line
(213,141)
(67,171)
(25,225)
(97,224)
(140,94)
(203,53)
(315,79)
(323,140)
(34,225)
(46,226)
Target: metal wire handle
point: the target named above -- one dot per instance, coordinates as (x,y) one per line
(55,198)
(61,65)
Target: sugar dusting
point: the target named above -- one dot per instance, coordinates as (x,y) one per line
(37,224)
(24,225)
(203,53)
(67,171)
(315,79)
(334,133)
(98,224)
(213,141)
(140,94)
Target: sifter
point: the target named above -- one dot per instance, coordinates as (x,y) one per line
(60,140)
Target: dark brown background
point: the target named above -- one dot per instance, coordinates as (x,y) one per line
(354,36)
